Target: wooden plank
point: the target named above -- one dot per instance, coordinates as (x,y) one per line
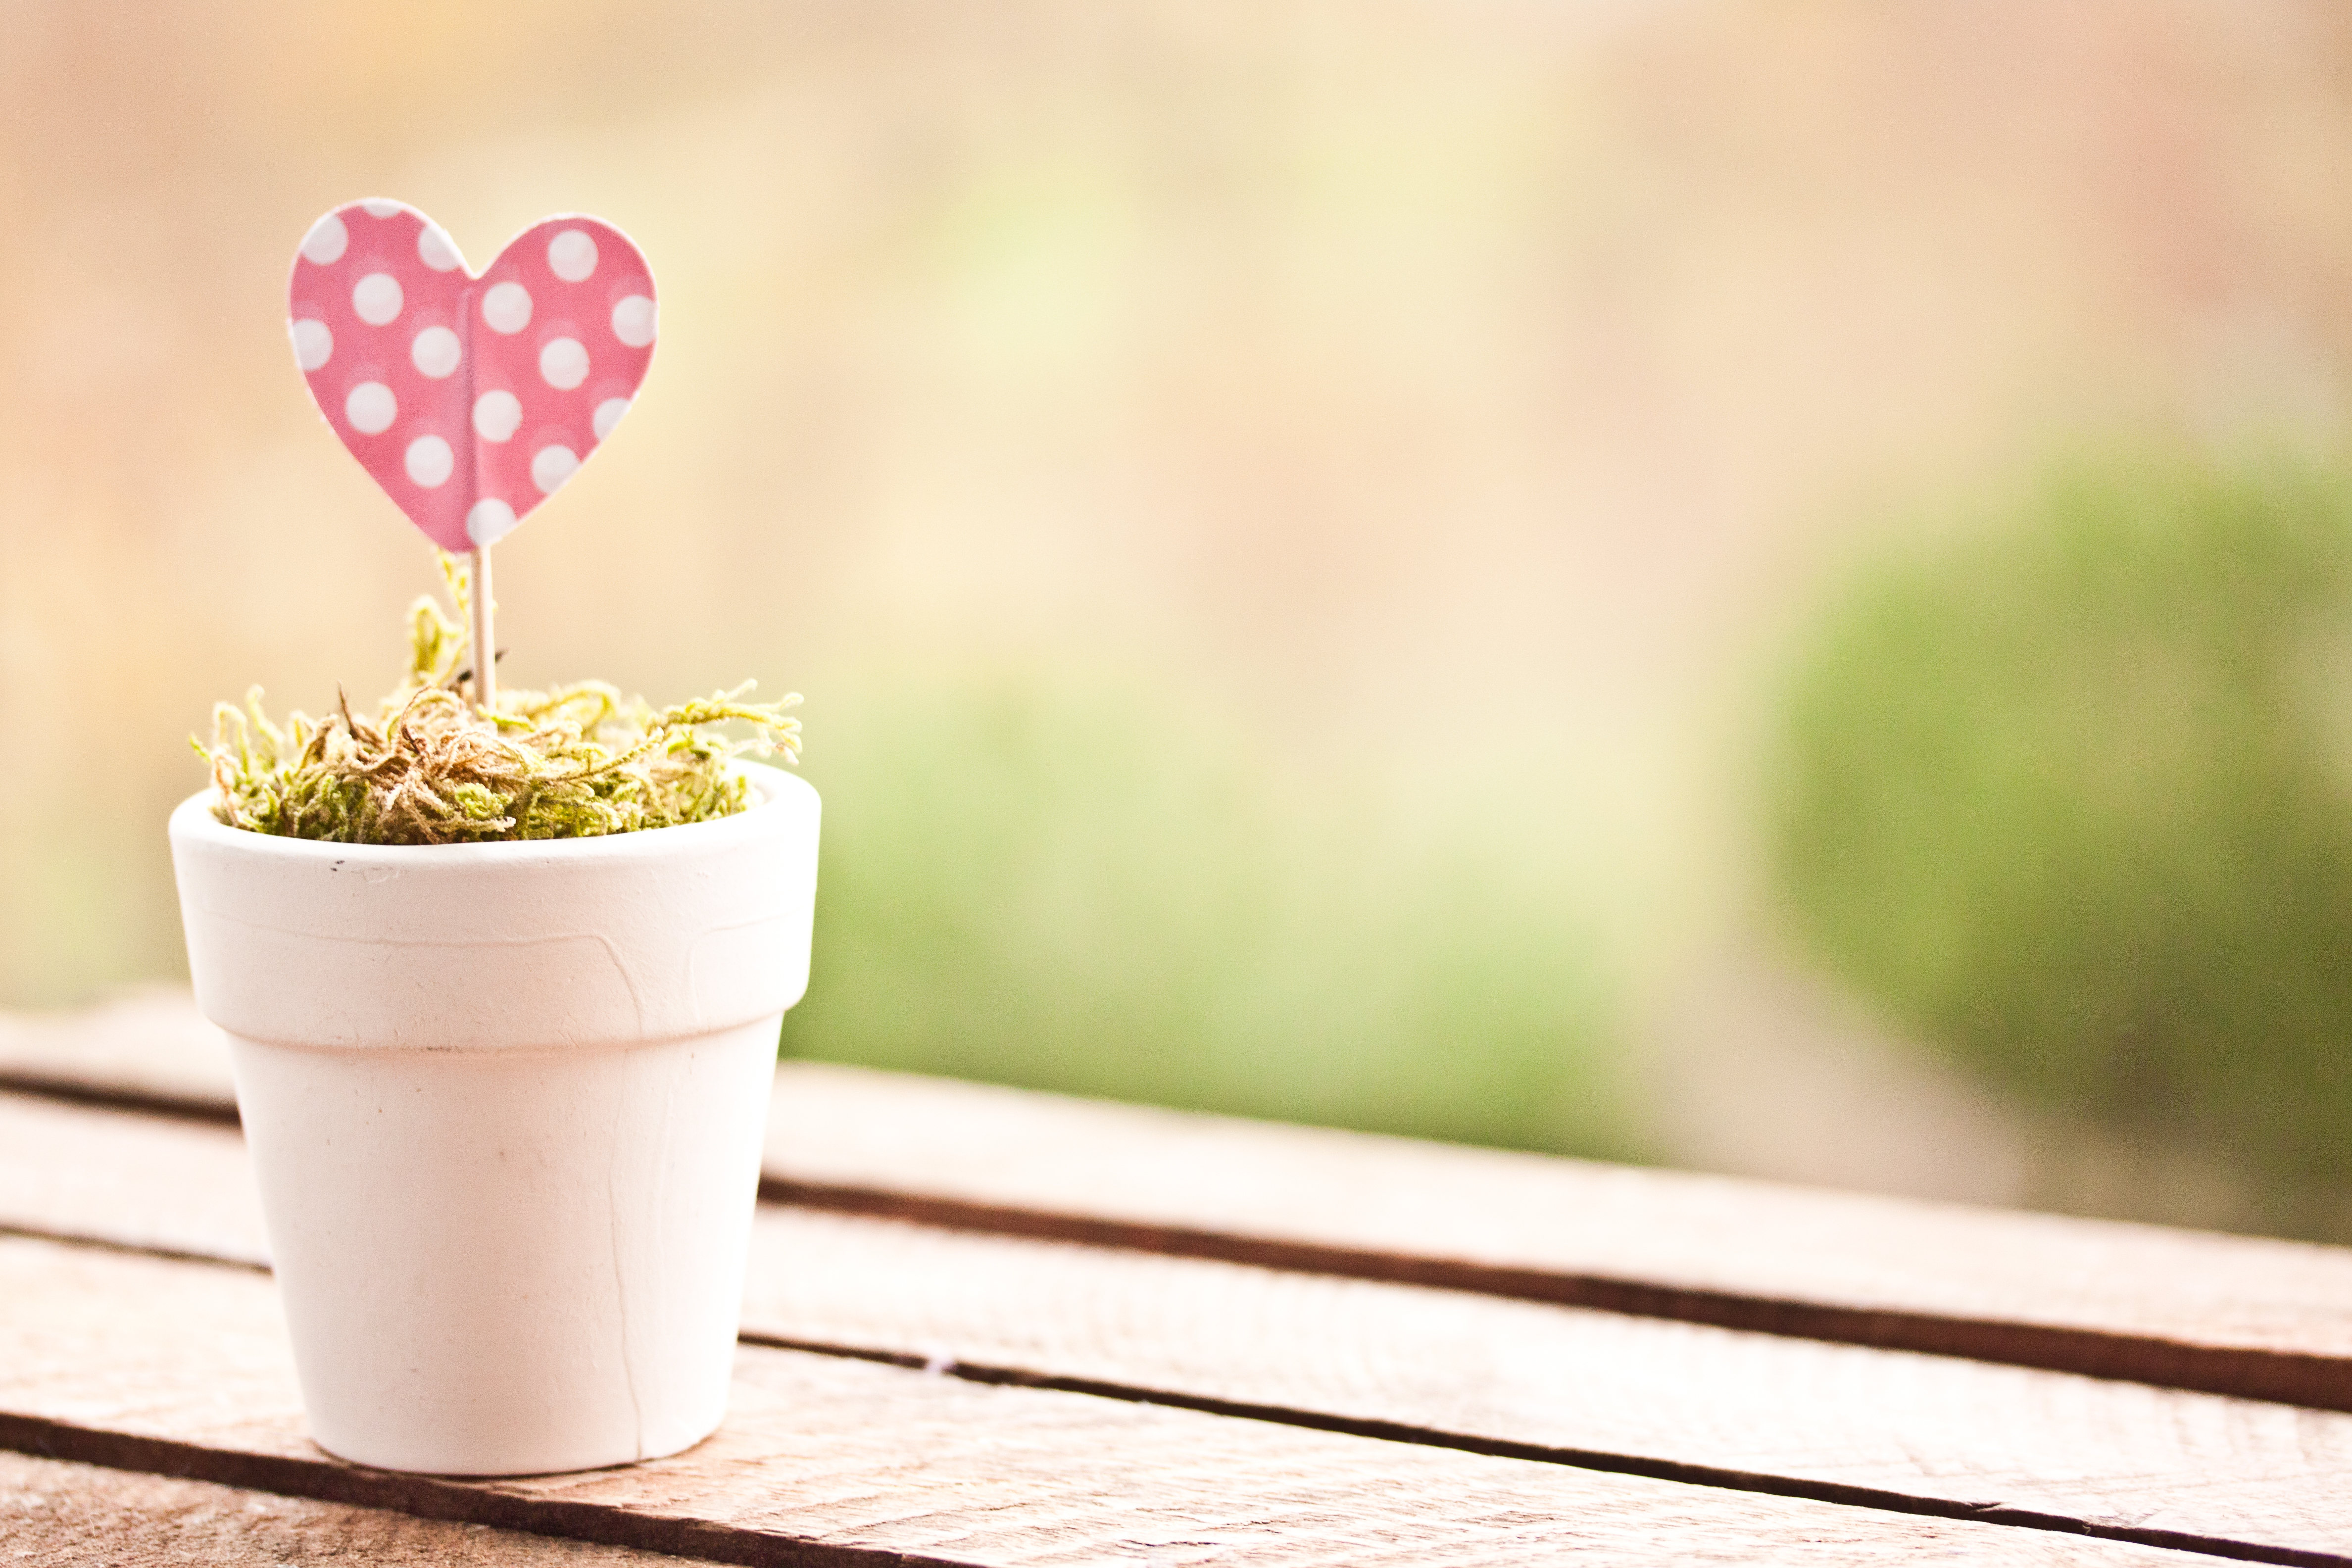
(1885,1429)
(148,1048)
(65,1515)
(831,1461)
(1575,1386)
(129,1179)
(2263,1319)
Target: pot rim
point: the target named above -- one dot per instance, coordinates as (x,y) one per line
(193,820)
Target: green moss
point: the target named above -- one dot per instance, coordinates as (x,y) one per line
(427,767)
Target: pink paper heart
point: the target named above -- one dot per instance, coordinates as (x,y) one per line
(470,399)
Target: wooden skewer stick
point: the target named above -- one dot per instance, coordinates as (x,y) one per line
(486,658)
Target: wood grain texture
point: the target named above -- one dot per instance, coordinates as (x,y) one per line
(1882,1427)
(2266,1319)
(129,1179)
(1594,1389)
(148,1048)
(65,1515)
(829,1460)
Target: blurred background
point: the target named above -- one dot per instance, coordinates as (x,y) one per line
(1763,586)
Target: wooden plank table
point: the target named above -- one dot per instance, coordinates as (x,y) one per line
(984,1326)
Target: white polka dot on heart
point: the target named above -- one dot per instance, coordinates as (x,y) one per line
(436,249)
(430,461)
(571,256)
(551,467)
(496,416)
(435,352)
(608,413)
(314,345)
(370,408)
(507,308)
(324,245)
(632,320)
(563,364)
(376,299)
(489,521)
(380,209)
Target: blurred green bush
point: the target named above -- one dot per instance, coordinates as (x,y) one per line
(2071,798)
(1093,890)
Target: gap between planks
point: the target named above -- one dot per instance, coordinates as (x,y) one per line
(2321,1382)
(2138,1302)
(77,1515)
(433,1498)
(1651,1469)
(821,1461)
(1149,1330)
(2284,1377)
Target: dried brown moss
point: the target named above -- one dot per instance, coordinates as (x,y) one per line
(426,767)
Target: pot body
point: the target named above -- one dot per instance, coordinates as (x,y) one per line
(506,1104)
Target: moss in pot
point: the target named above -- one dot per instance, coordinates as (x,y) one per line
(501,972)
(427,766)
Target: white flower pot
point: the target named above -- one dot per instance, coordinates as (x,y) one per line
(506,1103)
